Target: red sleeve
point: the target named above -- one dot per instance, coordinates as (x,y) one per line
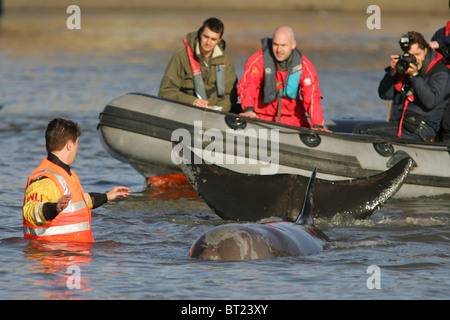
(251,81)
(310,93)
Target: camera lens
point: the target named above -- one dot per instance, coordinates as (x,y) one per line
(403,62)
(401,66)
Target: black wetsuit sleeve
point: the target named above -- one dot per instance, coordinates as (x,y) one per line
(49,211)
(49,208)
(98,199)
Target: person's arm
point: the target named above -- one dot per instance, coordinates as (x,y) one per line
(250,83)
(433,91)
(386,87)
(310,93)
(98,199)
(438,39)
(41,202)
(231,82)
(174,79)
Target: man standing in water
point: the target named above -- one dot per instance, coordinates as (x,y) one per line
(55,207)
(202,73)
(280,84)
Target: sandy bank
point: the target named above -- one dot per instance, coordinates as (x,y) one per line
(398,6)
(113,32)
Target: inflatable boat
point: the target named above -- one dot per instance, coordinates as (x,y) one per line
(144,131)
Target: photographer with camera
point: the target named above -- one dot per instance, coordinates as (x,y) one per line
(441,43)
(416,81)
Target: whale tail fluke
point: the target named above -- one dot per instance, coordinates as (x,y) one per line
(281,195)
(305,216)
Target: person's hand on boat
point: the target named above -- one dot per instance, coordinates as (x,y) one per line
(321,128)
(249,114)
(201,103)
(117,192)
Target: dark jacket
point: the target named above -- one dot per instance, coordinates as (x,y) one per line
(442,36)
(178,82)
(429,87)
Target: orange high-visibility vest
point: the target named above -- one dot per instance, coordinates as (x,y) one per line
(74,222)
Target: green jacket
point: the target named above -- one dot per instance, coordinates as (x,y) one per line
(178,82)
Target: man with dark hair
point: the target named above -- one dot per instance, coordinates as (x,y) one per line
(419,93)
(58,132)
(213,24)
(202,73)
(55,207)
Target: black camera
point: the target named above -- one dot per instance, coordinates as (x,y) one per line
(403,62)
(405,59)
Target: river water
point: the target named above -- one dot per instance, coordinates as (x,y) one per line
(142,242)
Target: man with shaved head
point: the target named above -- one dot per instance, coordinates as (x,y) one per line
(280,84)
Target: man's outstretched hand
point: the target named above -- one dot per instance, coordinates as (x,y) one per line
(117,192)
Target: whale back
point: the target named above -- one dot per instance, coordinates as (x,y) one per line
(264,240)
(247,241)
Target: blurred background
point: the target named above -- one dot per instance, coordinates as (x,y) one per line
(48,71)
(142,35)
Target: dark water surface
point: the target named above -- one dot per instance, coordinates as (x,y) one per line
(142,242)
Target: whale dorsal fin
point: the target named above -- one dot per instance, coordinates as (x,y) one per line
(305,217)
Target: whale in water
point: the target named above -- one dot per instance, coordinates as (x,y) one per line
(244,241)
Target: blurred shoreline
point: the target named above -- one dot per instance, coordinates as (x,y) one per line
(333,30)
(398,6)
